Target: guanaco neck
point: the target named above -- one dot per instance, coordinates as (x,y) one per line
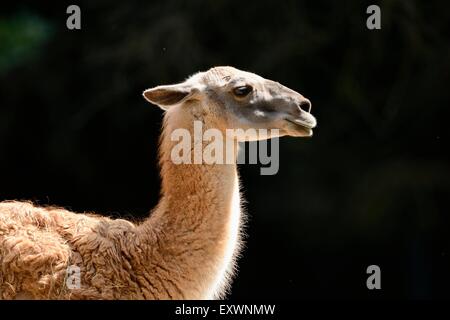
(197,220)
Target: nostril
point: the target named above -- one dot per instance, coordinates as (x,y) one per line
(305,105)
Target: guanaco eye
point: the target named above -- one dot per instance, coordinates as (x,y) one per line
(242,91)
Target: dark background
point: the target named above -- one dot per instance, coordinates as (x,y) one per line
(371,187)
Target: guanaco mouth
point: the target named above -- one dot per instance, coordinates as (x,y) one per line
(302,124)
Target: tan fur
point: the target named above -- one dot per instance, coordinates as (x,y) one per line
(186,249)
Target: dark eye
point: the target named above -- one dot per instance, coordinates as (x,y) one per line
(242,91)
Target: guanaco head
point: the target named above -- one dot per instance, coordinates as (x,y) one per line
(228,98)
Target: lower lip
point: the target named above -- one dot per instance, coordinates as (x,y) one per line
(304,128)
(308,131)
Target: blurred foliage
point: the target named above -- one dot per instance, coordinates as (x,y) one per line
(20,38)
(372,186)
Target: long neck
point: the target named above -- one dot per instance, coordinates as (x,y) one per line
(197,220)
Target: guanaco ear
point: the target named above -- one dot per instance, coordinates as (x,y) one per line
(166,96)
